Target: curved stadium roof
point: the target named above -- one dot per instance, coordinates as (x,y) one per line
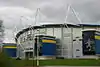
(43,25)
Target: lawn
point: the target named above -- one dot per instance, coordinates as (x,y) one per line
(5,61)
(58,62)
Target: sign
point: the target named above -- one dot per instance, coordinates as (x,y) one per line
(97,42)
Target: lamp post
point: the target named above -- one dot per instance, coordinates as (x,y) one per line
(36,14)
(38,46)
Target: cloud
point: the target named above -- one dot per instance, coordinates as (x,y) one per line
(10,16)
(54,10)
(15,16)
(9,37)
(15,11)
(88,10)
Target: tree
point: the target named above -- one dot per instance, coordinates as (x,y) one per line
(1,34)
(1,31)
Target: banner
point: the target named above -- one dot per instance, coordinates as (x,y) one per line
(97,42)
(88,43)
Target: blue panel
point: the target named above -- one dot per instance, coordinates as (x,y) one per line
(10,52)
(48,49)
(97,46)
(97,42)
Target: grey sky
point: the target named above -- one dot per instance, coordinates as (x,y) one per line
(11,11)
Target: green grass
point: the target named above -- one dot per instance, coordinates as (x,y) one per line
(59,62)
(70,62)
(5,61)
(21,63)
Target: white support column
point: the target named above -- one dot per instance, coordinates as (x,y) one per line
(72,40)
(38,46)
(76,15)
(62,41)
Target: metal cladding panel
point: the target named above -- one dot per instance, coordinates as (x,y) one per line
(77,32)
(67,42)
(77,49)
(50,31)
(10,52)
(67,37)
(97,42)
(77,43)
(43,31)
(58,35)
(27,44)
(98,28)
(57,32)
(48,49)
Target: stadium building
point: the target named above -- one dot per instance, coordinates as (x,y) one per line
(10,49)
(59,40)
